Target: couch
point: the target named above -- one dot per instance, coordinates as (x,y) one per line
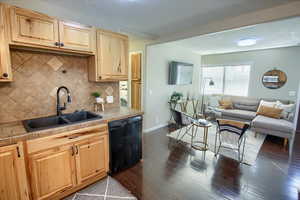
(245,108)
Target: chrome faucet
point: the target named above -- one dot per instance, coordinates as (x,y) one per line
(59,108)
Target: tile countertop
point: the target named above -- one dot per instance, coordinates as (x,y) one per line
(13,132)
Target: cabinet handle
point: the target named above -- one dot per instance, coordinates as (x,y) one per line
(18,152)
(76,150)
(72,148)
(5,75)
(56,43)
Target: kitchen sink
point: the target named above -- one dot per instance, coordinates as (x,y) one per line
(80,116)
(57,121)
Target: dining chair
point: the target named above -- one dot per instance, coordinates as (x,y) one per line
(183,121)
(231,135)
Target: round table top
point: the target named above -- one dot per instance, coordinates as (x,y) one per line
(197,123)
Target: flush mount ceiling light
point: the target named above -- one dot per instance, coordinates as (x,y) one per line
(247,42)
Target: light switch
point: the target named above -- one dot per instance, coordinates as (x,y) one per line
(292,93)
(109,99)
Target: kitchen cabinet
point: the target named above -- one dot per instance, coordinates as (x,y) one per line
(5,62)
(75,36)
(111,58)
(33,29)
(13,181)
(91,158)
(64,163)
(136,66)
(136,95)
(52,171)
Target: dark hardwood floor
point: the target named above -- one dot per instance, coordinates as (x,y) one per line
(173,171)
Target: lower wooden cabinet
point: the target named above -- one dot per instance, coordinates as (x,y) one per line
(91,158)
(52,171)
(63,163)
(13,180)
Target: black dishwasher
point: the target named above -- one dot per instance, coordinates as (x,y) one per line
(125,139)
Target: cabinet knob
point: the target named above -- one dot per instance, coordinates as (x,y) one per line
(100,77)
(56,43)
(5,75)
(62,44)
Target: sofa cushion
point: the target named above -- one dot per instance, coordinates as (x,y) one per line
(244,103)
(235,113)
(272,124)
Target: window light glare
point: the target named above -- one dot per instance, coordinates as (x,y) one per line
(247,42)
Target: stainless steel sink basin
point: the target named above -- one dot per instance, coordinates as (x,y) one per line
(57,121)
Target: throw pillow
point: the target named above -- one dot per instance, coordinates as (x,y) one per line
(225,104)
(266,103)
(269,111)
(287,109)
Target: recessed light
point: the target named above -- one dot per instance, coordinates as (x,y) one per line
(247,42)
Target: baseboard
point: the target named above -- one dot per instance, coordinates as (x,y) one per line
(155,128)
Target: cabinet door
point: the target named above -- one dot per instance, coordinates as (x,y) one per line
(136,64)
(136,95)
(5,63)
(112,52)
(123,69)
(30,27)
(91,158)
(52,171)
(77,37)
(13,181)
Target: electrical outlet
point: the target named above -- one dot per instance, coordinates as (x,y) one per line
(292,93)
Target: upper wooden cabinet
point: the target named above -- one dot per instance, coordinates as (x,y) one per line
(13,181)
(111,57)
(5,62)
(136,66)
(77,37)
(32,29)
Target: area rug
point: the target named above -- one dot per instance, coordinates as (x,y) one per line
(106,189)
(252,146)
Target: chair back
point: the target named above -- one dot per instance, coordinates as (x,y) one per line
(236,127)
(177,117)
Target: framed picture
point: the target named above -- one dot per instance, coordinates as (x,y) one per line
(271,79)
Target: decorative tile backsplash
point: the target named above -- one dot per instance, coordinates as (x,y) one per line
(36,78)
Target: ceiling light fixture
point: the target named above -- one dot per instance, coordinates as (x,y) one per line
(247,42)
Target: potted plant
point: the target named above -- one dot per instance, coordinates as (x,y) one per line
(97,96)
(175,97)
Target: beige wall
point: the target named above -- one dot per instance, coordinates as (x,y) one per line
(36,78)
(285,59)
(157,91)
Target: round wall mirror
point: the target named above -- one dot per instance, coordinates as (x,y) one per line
(274,79)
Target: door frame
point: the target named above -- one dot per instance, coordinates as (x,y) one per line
(142,78)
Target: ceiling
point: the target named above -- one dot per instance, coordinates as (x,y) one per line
(150,18)
(283,33)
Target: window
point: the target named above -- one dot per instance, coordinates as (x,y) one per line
(228,80)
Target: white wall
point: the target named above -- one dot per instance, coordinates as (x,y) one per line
(158,92)
(285,59)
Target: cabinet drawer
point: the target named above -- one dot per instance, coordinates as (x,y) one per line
(68,137)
